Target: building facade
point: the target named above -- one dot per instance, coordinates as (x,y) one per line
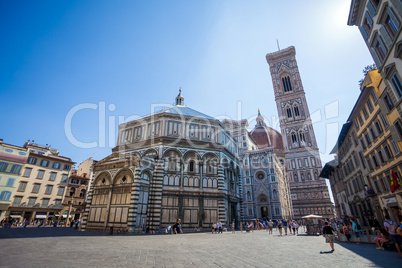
(176,163)
(309,192)
(76,192)
(380,25)
(41,189)
(12,162)
(265,182)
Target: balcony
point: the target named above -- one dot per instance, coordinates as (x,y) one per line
(370,192)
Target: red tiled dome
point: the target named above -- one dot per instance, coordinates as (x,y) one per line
(267,137)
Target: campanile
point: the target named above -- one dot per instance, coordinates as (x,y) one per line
(309,192)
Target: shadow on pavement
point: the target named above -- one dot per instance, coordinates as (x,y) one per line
(368,251)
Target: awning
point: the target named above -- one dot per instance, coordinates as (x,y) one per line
(40,216)
(15,216)
(311,216)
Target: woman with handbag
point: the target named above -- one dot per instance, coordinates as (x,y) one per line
(329,234)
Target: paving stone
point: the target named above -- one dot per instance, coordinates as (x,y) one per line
(65,247)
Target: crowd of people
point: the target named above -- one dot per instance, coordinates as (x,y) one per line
(22,223)
(281,225)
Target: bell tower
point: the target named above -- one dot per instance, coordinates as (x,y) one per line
(309,192)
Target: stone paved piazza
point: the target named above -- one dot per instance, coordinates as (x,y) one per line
(64,247)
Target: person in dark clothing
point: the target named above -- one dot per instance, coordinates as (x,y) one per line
(177,227)
(328,232)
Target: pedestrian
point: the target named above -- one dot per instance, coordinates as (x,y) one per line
(280,225)
(285,226)
(241,227)
(356,230)
(346,232)
(296,228)
(290,226)
(233,227)
(220,227)
(392,228)
(270,226)
(177,227)
(328,233)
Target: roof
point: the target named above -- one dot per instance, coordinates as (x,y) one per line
(327,169)
(354,9)
(342,136)
(184,111)
(267,137)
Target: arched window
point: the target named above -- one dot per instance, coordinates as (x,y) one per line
(172,164)
(294,139)
(302,138)
(289,112)
(72,191)
(295,176)
(5,195)
(191,166)
(82,194)
(308,176)
(287,86)
(316,175)
(145,176)
(296,110)
(302,176)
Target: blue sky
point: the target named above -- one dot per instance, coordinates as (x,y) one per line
(135,55)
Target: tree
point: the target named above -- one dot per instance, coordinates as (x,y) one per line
(367,69)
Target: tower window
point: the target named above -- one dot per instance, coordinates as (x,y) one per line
(294,139)
(296,109)
(302,138)
(289,112)
(287,86)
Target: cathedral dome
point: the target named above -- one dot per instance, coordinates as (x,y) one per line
(265,136)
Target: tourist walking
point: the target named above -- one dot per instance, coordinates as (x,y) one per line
(220,227)
(241,227)
(177,227)
(328,233)
(290,226)
(233,227)
(356,230)
(280,226)
(391,227)
(270,226)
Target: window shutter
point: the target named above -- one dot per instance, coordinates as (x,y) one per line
(383,106)
(375,57)
(393,17)
(364,32)
(385,35)
(384,155)
(381,40)
(369,19)
(371,9)
(394,133)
